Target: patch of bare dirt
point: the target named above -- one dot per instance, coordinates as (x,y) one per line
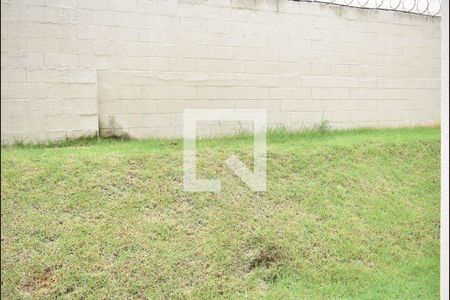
(41,283)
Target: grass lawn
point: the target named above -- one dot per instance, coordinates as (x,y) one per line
(347,215)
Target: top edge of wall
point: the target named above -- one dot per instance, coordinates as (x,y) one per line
(315,6)
(308,7)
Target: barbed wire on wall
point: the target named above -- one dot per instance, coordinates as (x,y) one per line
(421,7)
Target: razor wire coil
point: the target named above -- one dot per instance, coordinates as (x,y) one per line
(421,7)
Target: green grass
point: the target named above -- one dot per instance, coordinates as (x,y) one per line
(347,215)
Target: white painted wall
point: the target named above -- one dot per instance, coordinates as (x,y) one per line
(445,156)
(133,66)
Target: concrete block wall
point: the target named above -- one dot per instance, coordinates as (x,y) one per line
(129,67)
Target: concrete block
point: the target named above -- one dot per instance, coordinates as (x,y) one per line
(61,61)
(65,61)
